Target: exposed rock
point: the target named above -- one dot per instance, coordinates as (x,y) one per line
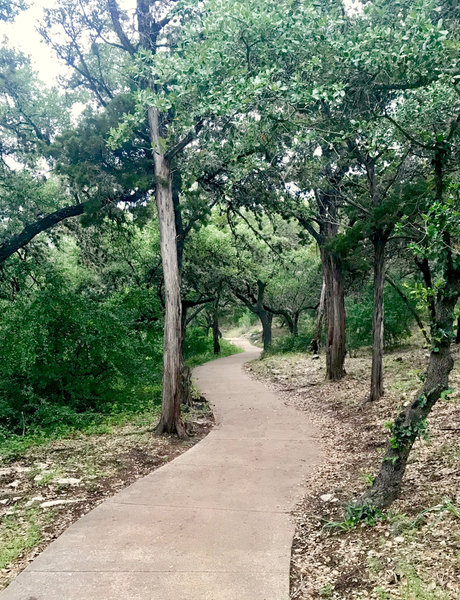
(34,500)
(68,481)
(51,503)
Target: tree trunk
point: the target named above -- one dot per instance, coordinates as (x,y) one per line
(295,324)
(170,421)
(266,319)
(457,337)
(215,327)
(335,316)
(411,421)
(376,391)
(316,341)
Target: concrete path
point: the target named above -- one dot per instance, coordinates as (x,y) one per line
(213,524)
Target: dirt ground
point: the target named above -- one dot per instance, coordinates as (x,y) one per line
(51,486)
(413,553)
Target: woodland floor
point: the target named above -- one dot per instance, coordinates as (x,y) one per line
(50,487)
(414,552)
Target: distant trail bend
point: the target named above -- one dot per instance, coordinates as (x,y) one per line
(214,524)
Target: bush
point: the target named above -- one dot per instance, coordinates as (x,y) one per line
(199,348)
(66,356)
(300,343)
(398,319)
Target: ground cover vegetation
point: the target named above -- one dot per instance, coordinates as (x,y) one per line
(207,165)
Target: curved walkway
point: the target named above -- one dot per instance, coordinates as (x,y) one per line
(213,524)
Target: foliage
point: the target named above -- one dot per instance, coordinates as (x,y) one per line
(398,320)
(356,515)
(291,343)
(198,347)
(66,356)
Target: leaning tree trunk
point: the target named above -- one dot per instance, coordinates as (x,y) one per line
(170,421)
(335,316)
(411,421)
(376,391)
(266,319)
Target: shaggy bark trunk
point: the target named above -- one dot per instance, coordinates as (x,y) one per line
(316,341)
(376,391)
(335,316)
(170,421)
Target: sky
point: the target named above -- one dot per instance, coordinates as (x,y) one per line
(23,35)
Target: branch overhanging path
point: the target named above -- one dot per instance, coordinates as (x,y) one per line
(214,524)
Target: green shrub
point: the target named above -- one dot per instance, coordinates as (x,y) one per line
(398,319)
(66,356)
(199,348)
(290,343)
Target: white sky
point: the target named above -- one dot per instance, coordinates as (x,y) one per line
(23,35)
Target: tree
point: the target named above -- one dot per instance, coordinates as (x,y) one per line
(295,286)
(439,263)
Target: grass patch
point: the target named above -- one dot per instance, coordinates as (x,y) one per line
(412,587)
(18,534)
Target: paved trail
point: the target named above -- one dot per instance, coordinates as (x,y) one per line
(213,524)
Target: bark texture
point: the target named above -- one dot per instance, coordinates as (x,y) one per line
(376,390)
(170,421)
(335,316)
(328,203)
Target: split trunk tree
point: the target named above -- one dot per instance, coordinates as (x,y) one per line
(328,202)
(335,316)
(334,292)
